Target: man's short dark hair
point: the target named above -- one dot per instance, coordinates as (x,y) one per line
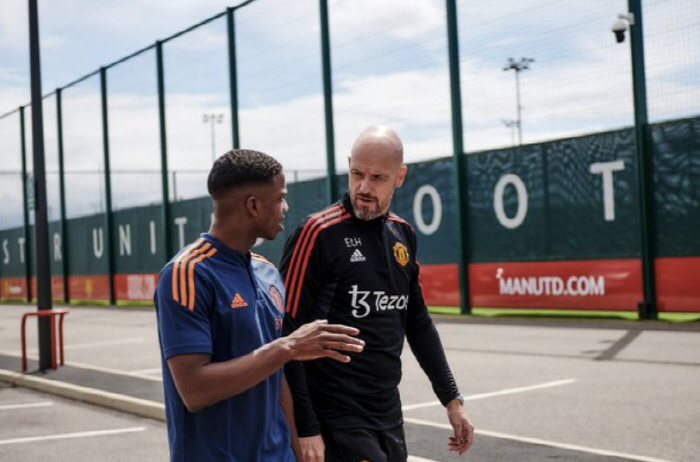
(241,167)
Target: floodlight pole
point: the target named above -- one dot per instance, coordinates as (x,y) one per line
(43,261)
(518,66)
(213,119)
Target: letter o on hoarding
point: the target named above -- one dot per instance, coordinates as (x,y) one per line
(517,220)
(430,191)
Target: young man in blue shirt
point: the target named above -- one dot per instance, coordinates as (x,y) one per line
(220,310)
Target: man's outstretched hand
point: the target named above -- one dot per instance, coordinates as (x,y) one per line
(319,339)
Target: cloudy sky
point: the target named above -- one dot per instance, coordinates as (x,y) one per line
(389,66)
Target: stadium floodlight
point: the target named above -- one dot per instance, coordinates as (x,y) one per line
(518,66)
(213,119)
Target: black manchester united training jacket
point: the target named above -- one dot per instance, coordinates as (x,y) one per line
(362,274)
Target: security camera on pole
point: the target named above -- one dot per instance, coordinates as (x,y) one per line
(620,26)
(647,307)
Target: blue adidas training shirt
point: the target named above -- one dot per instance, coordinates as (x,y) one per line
(214,300)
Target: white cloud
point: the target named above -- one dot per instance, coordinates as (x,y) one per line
(390,60)
(403,19)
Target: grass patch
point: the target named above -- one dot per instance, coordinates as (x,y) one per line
(548,313)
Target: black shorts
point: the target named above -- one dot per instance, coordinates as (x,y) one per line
(359,445)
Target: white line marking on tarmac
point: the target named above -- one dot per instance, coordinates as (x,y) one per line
(108,370)
(155,370)
(524,439)
(7,407)
(73,435)
(114,371)
(507,391)
(419,459)
(123,341)
(84,346)
(138,406)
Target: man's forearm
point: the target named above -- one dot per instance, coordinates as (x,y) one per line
(202,383)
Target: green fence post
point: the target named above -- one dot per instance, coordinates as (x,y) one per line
(165,209)
(647,308)
(460,162)
(41,220)
(331,180)
(233,77)
(25,197)
(109,219)
(62,197)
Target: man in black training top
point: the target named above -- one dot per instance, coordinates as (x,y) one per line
(354,263)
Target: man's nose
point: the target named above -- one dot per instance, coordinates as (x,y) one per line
(364,185)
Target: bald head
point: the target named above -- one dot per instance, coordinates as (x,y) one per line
(376,168)
(379,140)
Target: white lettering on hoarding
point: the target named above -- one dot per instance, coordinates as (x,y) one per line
(607,169)
(6,251)
(521,190)
(98,242)
(57,255)
(20,243)
(152,226)
(432,193)
(124,240)
(181,222)
(574,286)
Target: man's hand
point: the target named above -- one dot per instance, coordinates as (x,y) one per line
(463,428)
(319,339)
(312,448)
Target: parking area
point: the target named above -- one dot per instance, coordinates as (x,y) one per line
(39,426)
(536,390)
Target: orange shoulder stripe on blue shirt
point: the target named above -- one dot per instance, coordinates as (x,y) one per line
(176,267)
(190,276)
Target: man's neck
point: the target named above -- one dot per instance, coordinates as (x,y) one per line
(233,238)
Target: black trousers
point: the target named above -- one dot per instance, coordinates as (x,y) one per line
(358,445)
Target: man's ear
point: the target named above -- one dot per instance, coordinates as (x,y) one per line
(402,175)
(252,206)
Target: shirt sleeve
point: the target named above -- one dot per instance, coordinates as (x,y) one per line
(183,302)
(300,270)
(425,343)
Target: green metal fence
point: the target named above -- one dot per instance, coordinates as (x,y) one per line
(300,79)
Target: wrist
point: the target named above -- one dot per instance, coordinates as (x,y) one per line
(283,349)
(457,401)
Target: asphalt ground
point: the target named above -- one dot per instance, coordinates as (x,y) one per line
(537,390)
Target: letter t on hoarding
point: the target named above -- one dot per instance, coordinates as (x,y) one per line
(181,222)
(607,169)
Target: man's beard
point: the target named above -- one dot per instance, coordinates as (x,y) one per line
(367,213)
